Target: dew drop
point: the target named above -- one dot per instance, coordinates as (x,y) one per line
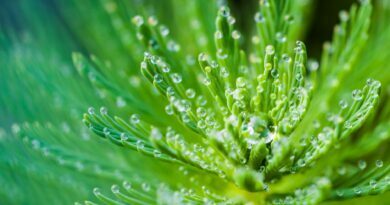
(218,35)
(224,11)
(124,136)
(134,119)
(298,76)
(362,164)
(221,54)
(190,93)
(169,110)
(103,110)
(373,183)
(224,72)
(236,35)
(379,163)
(259,18)
(270,50)
(158,78)
(96,191)
(140,144)
(138,20)
(339,193)
(156,153)
(120,102)
(240,82)
(91,110)
(357,190)
(286,58)
(231,20)
(152,21)
(357,95)
(343,16)
(126,185)
(106,131)
(274,73)
(343,104)
(164,30)
(115,189)
(176,78)
(201,112)
(145,187)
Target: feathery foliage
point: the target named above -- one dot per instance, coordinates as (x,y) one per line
(178,102)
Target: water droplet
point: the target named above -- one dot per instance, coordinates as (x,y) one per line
(357,95)
(173,46)
(298,76)
(339,193)
(126,185)
(176,78)
(164,30)
(201,112)
(207,81)
(373,183)
(224,11)
(138,20)
(231,20)
(103,110)
(158,78)
(124,136)
(274,73)
(286,58)
(201,100)
(115,189)
(379,163)
(347,124)
(201,124)
(343,16)
(313,65)
(369,81)
(259,18)
(190,93)
(165,68)
(218,35)
(301,162)
(169,110)
(134,119)
(357,190)
(343,104)
(140,144)
(270,50)
(221,54)
(91,110)
(96,191)
(224,72)
(240,82)
(236,35)
(106,131)
(362,164)
(152,21)
(280,37)
(156,153)
(145,187)
(120,102)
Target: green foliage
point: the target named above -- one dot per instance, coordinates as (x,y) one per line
(168,102)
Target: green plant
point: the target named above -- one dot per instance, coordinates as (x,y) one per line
(194,111)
